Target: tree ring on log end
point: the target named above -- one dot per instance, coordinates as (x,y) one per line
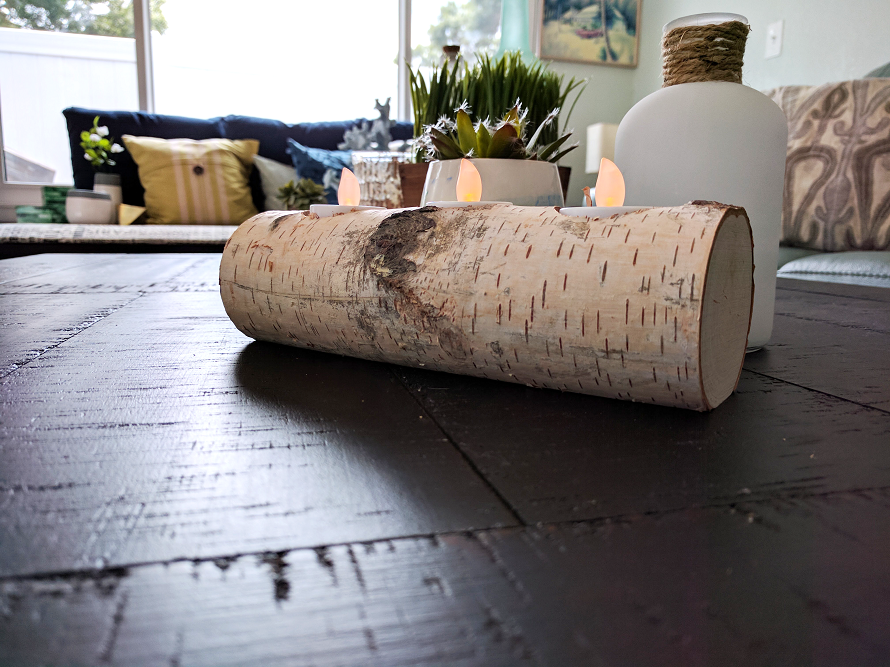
(727,300)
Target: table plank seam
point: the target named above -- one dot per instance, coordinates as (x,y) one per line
(854,327)
(98,316)
(818,391)
(467,459)
(98,260)
(833,295)
(743,505)
(170,283)
(198,260)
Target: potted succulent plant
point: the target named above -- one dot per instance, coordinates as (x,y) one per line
(484,91)
(300,196)
(513,168)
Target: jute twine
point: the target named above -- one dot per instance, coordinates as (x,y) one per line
(704,53)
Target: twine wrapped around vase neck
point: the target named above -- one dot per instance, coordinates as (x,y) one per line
(704,53)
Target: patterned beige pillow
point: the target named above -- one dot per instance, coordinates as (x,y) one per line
(837,174)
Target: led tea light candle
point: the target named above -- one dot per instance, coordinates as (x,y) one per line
(609,195)
(468,189)
(348,198)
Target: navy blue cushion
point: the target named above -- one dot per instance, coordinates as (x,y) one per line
(402,130)
(273,134)
(312,163)
(137,123)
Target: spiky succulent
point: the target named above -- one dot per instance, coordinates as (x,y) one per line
(450,139)
(302,195)
(489,86)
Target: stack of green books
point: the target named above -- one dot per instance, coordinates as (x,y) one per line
(53,209)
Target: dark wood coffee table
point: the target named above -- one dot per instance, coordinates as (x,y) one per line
(172,493)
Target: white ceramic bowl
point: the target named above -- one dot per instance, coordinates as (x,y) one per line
(520,182)
(86,207)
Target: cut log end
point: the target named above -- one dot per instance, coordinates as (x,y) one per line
(726,309)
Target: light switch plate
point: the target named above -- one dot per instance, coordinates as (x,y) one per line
(774,39)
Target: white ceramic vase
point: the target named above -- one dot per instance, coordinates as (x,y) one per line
(110,184)
(713,141)
(520,182)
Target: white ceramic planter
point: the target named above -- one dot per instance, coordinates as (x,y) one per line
(86,207)
(110,184)
(520,182)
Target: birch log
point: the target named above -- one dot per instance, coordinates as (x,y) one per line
(652,305)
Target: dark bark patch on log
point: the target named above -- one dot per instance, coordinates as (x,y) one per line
(366,322)
(277,221)
(385,255)
(396,237)
(574,226)
(453,341)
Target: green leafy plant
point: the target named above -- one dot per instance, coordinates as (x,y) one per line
(440,97)
(490,86)
(449,140)
(300,196)
(98,147)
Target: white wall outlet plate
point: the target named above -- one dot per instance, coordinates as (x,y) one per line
(774,39)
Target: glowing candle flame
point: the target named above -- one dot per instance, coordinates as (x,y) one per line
(469,182)
(609,185)
(349,193)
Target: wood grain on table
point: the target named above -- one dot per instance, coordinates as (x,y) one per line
(172,493)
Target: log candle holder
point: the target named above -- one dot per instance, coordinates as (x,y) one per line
(651,306)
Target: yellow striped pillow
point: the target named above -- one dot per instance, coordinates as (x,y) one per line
(195,182)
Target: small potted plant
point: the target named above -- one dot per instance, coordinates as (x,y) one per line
(300,196)
(485,90)
(99,148)
(513,168)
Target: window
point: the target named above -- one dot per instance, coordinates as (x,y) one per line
(292,60)
(474,25)
(80,54)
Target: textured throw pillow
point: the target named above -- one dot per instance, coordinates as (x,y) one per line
(274,175)
(837,173)
(312,163)
(137,124)
(194,182)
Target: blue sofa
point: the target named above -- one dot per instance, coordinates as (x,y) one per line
(272,135)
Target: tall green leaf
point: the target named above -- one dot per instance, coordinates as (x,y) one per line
(466,136)
(483,140)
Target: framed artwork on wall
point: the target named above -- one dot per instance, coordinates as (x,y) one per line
(597,32)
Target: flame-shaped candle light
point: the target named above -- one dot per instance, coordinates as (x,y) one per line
(469,182)
(609,195)
(349,195)
(468,189)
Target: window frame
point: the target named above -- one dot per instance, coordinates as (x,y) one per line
(20,194)
(14,194)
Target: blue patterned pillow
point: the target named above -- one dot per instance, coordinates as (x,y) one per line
(312,163)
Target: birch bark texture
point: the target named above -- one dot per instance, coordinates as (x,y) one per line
(651,306)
